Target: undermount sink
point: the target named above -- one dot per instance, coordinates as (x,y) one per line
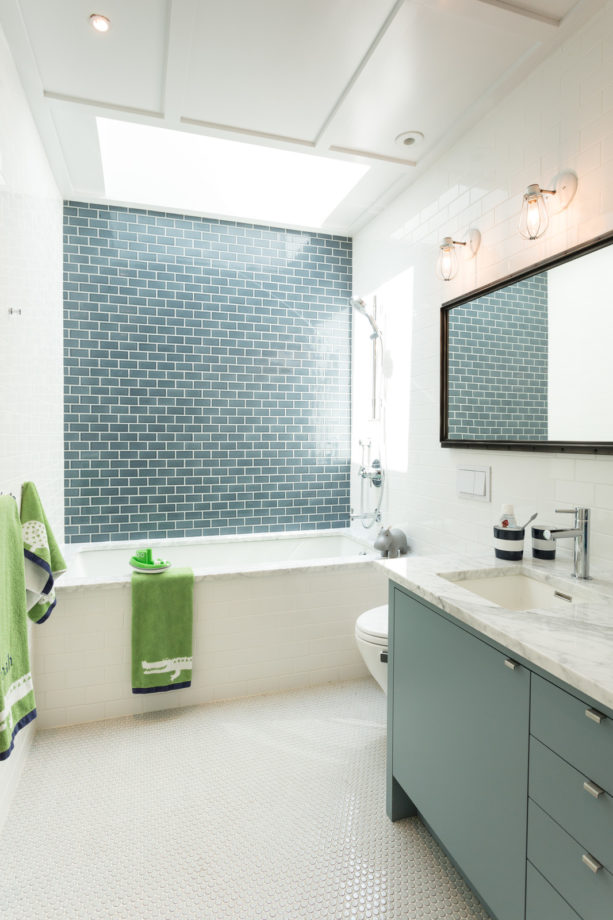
(517,591)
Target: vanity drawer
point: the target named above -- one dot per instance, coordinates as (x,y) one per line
(560,859)
(567,725)
(559,789)
(543,901)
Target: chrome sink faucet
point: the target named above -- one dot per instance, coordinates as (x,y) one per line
(581,535)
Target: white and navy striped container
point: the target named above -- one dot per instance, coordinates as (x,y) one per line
(541,548)
(509,543)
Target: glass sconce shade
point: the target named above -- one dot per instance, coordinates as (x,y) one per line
(534,217)
(447,263)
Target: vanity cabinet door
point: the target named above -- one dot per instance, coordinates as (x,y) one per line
(460,747)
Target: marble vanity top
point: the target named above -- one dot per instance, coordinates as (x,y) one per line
(574,644)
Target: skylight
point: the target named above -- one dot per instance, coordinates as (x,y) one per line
(175,170)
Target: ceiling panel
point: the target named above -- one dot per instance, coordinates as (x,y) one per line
(430,67)
(556,9)
(276,66)
(352,74)
(123,67)
(76,128)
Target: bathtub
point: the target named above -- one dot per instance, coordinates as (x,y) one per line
(220,555)
(271,612)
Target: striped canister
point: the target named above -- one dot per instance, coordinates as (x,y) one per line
(541,548)
(509,543)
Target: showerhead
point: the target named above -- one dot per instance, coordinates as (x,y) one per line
(358,304)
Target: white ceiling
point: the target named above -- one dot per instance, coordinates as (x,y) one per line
(336,78)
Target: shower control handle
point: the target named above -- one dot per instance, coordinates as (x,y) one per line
(374,473)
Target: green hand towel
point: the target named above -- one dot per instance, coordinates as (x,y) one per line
(162,624)
(43,559)
(17,704)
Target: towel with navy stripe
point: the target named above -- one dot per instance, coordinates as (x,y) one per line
(43,559)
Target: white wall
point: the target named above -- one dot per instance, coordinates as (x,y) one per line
(31,438)
(561,117)
(31,369)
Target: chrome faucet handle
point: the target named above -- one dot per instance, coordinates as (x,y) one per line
(567,510)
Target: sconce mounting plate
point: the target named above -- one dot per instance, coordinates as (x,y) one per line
(565,184)
(473,241)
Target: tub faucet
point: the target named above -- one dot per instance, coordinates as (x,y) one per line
(581,535)
(372,516)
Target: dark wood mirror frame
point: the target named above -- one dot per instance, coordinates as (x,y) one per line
(592,447)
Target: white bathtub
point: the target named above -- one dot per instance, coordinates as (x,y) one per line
(219,555)
(271,612)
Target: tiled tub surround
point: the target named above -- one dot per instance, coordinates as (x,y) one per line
(498,364)
(207,376)
(258,626)
(574,644)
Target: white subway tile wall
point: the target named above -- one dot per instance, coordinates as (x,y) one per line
(253,634)
(31,438)
(31,410)
(560,117)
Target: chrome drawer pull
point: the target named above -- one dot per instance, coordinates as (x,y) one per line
(591,863)
(509,663)
(594,715)
(593,789)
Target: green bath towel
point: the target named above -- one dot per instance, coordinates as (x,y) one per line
(43,559)
(17,704)
(162,622)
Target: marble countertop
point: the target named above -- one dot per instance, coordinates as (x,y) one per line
(574,643)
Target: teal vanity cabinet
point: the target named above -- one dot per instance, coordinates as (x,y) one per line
(458,738)
(512,772)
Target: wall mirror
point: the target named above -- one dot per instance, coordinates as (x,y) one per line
(527,362)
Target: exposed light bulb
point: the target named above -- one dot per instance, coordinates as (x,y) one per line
(99,22)
(534,217)
(447,265)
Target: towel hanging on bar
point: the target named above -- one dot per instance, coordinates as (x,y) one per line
(43,559)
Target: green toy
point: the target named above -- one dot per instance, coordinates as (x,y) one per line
(143,561)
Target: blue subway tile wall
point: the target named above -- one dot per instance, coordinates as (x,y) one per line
(207,376)
(498,365)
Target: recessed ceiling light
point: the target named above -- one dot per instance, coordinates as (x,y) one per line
(99,22)
(409,138)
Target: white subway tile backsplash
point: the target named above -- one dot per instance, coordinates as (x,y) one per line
(603,497)
(574,493)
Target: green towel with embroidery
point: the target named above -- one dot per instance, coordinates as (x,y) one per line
(17,704)
(43,559)
(162,627)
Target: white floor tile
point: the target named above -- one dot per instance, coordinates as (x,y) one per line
(271,808)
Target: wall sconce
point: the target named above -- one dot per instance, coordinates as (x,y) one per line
(534,217)
(447,263)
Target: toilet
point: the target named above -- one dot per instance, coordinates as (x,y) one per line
(371,639)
